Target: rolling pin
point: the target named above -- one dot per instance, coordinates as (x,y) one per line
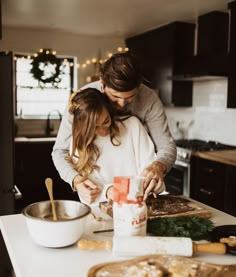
(134,246)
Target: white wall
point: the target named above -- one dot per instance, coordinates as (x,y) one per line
(66,44)
(208,119)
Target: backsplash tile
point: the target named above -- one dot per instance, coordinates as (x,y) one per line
(210,93)
(210,118)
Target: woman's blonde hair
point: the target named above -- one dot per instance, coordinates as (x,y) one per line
(86,106)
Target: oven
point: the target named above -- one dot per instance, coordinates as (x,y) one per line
(177,180)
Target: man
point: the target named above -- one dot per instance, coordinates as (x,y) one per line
(121,81)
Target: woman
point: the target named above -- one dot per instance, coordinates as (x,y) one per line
(105,145)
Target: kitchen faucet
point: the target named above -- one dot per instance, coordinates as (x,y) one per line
(50,128)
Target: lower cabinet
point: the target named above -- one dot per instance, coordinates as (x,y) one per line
(33,164)
(230,191)
(214,184)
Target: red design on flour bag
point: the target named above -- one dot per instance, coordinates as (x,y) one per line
(129,209)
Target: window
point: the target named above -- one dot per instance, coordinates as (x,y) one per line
(34,99)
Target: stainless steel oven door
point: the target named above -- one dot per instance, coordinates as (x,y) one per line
(177,180)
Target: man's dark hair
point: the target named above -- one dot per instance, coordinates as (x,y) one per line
(121,72)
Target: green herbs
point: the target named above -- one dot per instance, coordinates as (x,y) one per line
(182,226)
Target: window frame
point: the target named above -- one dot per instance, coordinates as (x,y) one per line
(73,81)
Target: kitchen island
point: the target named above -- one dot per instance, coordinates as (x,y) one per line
(29,259)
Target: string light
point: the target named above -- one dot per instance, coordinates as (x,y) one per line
(94,60)
(81,65)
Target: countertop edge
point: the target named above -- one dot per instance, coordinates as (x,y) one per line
(222,156)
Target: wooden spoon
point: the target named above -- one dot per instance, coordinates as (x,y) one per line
(97,218)
(48,183)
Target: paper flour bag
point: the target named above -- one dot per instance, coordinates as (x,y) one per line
(129,209)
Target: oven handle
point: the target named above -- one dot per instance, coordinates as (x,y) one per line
(181,163)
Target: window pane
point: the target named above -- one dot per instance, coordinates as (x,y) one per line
(25,79)
(38,101)
(23,65)
(35,100)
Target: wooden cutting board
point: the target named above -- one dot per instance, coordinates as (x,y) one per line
(168,206)
(164,265)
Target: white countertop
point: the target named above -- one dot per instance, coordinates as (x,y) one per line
(30,140)
(29,259)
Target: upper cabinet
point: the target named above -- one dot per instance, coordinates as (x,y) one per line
(175,55)
(210,59)
(231,102)
(160,53)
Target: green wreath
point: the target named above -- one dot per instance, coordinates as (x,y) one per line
(46,60)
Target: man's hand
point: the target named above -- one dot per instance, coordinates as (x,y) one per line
(154,178)
(87,190)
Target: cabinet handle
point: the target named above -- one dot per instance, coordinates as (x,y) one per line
(15,190)
(206,191)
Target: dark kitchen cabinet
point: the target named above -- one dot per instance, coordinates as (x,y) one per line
(213,184)
(210,60)
(206,182)
(0,21)
(33,165)
(213,34)
(230,190)
(161,53)
(6,150)
(231,101)
(6,134)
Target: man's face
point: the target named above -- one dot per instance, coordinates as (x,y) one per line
(120,99)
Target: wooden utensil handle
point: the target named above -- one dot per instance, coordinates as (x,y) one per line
(84,244)
(48,183)
(214,248)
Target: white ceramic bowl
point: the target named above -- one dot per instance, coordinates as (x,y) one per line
(63,232)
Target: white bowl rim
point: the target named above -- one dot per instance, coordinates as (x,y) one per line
(25,213)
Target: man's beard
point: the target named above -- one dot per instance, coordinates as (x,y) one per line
(121,111)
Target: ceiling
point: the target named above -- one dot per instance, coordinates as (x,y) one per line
(109,18)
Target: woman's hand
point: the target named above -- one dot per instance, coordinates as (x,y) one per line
(154,178)
(87,190)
